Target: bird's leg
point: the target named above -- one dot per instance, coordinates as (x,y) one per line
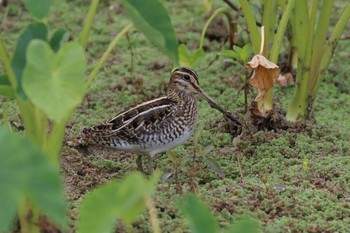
(139,163)
(149,165)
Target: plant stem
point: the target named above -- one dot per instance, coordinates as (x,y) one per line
(22,215)
(88,23)
(53,145)
(319,42)
(268,22)
(276,47)
(265,103)
(252,28)
(330,47)
(305,26)
(212,17)
(153,214)
(5,58)
(106,53)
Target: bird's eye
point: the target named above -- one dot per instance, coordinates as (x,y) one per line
(187,77)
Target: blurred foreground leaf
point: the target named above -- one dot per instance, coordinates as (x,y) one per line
(200,219)
(38,8)
(6,88)
(151,18)
(32,31)
(115,200)
(26,173)
(246,224)
(54,81)
(58,38)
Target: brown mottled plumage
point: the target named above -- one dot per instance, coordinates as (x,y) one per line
(157,125)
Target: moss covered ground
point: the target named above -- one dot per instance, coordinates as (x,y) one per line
(295,179)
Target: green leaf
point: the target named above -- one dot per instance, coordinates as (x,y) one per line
(200,219)
(247,50)
(197,55)
(6,88)
(229,54)
(32,31)
(237,49)
(54,82)
(25,172)
(187,59)
(245,224)
(151,18)
(185,56)
(115,200)
(38,8)
(58,38)
(214,166)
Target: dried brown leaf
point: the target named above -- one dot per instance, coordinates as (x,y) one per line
(285,79)
(264,76)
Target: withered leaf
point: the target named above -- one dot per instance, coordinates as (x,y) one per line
(264,76)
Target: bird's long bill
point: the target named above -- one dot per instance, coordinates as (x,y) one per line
(213,104)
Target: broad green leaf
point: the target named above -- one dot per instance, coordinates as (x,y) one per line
(187,59)
(58,38)
(184,56)
(26,173)
(32,31)
(151,18)
(246,224)
(115,200)
(200,219)
(247,50)
(6,88)
(229,54)
(54,81)
(197,55)
(237,49)
(38,8)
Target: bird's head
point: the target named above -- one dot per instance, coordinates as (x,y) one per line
(186,80)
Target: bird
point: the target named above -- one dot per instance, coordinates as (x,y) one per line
(157,125)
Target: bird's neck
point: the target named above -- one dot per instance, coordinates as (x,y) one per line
(179,94)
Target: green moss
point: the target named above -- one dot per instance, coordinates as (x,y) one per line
(276,188)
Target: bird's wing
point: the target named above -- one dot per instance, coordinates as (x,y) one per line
(144,118)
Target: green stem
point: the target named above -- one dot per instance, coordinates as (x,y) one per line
(5,58)
(212,17)
(276,47)
(330,47)
(305,27)
(22,215)
(88,23)
(53,145)
(28,216)
(28,116)
(252,28)
(268,21)
(320,38)
(106,53)
(41,123)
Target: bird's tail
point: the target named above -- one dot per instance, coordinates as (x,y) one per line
(82,140)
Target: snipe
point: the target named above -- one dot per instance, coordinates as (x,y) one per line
(157,125)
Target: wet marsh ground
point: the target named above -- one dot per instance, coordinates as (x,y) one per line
(295,178)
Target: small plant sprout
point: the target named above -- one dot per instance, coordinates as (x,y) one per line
(270,41)
(240,56)
(189,59)
(306,166)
